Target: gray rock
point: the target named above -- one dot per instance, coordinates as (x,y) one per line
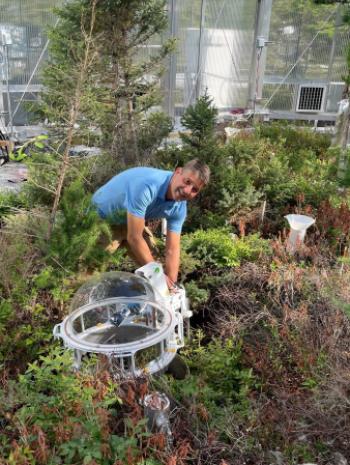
(276,457)
(84,151)
(12,177)
(338,459)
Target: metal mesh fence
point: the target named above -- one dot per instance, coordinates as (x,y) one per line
(22,45)
(214,52)
(308,47)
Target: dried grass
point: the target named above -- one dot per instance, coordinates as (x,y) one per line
(296,338)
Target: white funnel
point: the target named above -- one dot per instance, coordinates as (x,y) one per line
(298,226)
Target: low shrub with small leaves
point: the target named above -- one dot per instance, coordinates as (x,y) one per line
(196,294)
(220,248)
(218,378)
(55,416)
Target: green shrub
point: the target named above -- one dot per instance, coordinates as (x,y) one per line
(200,141)
(151,133)
(43,174)
(220,248)
(217,378)
(75,238)
(57,416)
(277,163)
(19,257)
(296,138)
(10,202)
(200,120)
(270,169)
(25,331)
(196,294)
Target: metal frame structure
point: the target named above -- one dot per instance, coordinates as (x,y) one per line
(305,52)
(23,49)
(285,54)
(248,54)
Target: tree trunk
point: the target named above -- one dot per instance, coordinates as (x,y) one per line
(72,120)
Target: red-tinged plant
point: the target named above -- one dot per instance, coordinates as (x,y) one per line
(65,430)
(334,223)
(183,450)
(172,460)
(157,441)
(41,448)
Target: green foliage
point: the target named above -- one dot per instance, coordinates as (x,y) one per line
(24,151)
(212,247)
(195,294)
(151,133)
(200,119)
(117,83)
(43,173)
(10,202)
(46,278)
(218,378)
(25,332)
(296,139)
(220,248)
(62,417)
(18,257)
(297,452)
(75,238)
(277,163)
(6,313)
(273,165)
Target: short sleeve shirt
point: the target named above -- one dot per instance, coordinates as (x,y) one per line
(141,192)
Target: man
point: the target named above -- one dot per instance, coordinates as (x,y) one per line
(136,195)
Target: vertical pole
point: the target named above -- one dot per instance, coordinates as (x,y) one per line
(2,76)
(200,50)
(171,78)
(10,122)
(262,29)
(253,64)
(338,22)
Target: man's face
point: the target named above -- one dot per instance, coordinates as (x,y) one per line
(184,185)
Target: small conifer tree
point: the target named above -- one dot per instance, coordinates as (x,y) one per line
(121,83)
(200,119)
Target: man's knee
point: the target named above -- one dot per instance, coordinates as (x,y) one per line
(119,234)
(113,246)
(149,238)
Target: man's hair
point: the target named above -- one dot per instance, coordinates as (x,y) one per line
(201,169)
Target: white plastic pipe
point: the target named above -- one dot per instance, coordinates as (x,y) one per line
(157,410)
(298,226)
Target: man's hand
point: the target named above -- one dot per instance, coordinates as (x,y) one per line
(172,286)
(172,256)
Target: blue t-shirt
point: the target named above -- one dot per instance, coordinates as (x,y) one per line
(141,192)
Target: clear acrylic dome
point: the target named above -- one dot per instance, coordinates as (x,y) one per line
(112,284)
(115,309)
(124,317)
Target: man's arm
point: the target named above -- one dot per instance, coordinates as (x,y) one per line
(136,242)
(172,255)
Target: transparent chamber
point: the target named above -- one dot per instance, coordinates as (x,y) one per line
(123,316)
